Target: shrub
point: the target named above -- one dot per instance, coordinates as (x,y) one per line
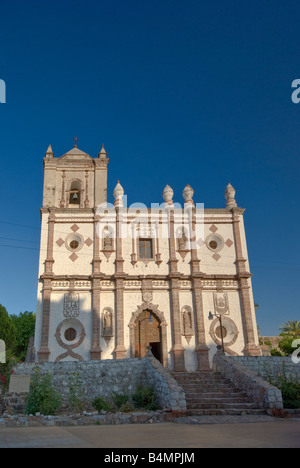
(119,399)
(42,397)
(100,404)
(76,394)
(145,398)
(126,407)
(289,387)
(275,352)
(285,344)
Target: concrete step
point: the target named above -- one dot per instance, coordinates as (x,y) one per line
(220,405)
(223,390)
(208,388)
(199,399)
(211,393)
(218,412)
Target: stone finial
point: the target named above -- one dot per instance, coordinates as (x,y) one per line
(187,194)
(49,153)
(118,194)
(168,195)
(229,195)
(102,153)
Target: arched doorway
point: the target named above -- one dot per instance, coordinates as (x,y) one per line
(147,333)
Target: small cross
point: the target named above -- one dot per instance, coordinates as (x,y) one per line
(75,142)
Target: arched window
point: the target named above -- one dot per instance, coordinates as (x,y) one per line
(75,193)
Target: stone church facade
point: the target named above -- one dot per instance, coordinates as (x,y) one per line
(114,280)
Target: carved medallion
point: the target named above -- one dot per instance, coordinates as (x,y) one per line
(71,305)
(147,296)
(221,303)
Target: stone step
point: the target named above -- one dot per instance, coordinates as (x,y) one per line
(218,399)
(199,377)
(221,405)
(180,375)
(218,389)
(199,388)
(221,412)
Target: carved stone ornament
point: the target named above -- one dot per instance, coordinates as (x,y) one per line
(107,242)
(107,324)
(147,296)
(71,305)
(221,303)
(182,242)
(187,323)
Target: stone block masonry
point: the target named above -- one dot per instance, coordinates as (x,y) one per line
(170,393)
(102,378)
(259,390)
(270,366)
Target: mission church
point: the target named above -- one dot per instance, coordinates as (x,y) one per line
(114,280)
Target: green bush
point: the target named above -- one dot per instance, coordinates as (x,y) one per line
(126,407)
(289,387)
(286,342)
(145,398)
(100,404)
(42,397)
(119,399)
(275,352)
(291,395)
(290,390)
(76,394)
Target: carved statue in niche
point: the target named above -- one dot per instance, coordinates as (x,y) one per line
(182,242)
(107,242)
(71,305)
(107,324)
(187,323)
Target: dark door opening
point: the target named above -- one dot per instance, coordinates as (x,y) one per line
(156,350)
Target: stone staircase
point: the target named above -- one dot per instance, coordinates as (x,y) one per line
(209,393)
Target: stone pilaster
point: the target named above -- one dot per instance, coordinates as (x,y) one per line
(120,350)
(177,348)
(44,352)
(47,288)
(62,201)
(49,259)
(251,348)
(96,258)
(202,349)
(96,331)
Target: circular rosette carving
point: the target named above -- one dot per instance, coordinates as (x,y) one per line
(230,332)
(70,333)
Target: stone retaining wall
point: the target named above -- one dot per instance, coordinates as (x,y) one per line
(259,390)
(84,419)
(102,378)
(270,366)
(170,393)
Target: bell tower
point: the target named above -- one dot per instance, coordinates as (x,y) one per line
(74,185)
(75,180)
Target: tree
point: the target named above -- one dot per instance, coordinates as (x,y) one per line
(7,329)
(24,324)
(291,328)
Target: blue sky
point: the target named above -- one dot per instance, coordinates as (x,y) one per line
(193,92)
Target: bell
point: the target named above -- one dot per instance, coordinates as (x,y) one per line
(75,196)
